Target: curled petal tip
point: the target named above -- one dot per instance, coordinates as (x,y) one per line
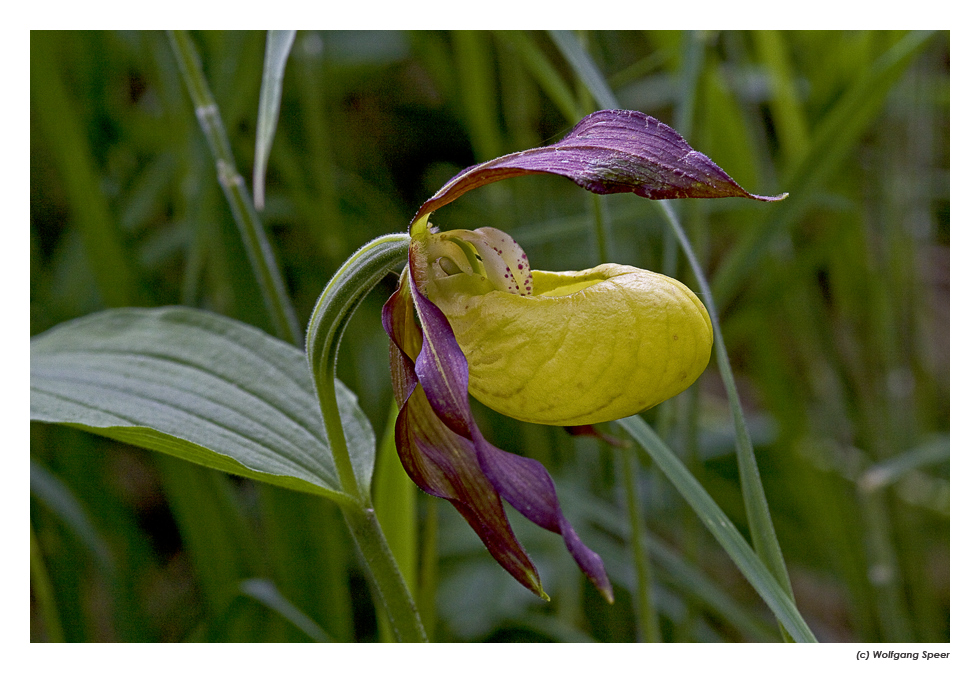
(778,197)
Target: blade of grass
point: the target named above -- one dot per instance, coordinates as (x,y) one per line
(260,253)
(277,47)
(51,491)
(787,114)
(544,73)
(310,553)
(682,574)
(44,592)
(892,469)
(690,75)
(212,527)
(649,625)
(831,142)
(321,208)
(264,591)
(428,575)
(478,92)
(682,412)
(721,527)
(395,502)
(884,569)
(756,507)
(108,259)
(586,70)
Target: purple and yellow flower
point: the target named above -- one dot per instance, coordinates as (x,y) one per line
(470,317)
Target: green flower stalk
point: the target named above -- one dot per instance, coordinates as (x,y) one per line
(567,348)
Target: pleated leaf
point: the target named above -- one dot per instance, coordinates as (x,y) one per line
(197,386)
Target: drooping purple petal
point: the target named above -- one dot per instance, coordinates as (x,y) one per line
(608,152)
(438,460)
(527,486)
(444,376)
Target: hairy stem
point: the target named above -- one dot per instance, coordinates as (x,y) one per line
(386,578)
(337,303)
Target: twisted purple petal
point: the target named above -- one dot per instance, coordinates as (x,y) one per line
(443,374)
(441,462)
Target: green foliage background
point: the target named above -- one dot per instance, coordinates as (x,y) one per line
(834,305)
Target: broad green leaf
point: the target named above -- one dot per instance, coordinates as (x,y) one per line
(721,527)
(277,47)
(197,386)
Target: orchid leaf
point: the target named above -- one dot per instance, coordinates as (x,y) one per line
(197,386)
(609,152)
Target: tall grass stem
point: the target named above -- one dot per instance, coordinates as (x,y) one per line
(254,238)
(645,594)
(44,591)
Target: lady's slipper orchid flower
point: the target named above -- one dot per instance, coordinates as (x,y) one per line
(571,348)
